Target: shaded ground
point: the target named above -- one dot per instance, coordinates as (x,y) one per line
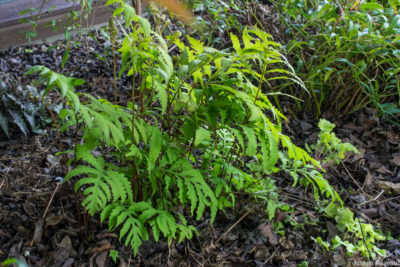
(42,223)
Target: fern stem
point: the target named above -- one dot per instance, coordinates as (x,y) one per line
(85,224)
(229,156)
(115,74)
(78,211)
(215,138)
(76,136)
(258,89)
(168,109)
(134,170)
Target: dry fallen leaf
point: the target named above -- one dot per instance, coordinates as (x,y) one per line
(368,179)
(95,250)
(370,213)
(101,259)
(382,169)
(389,187)
(396,159)
(267,230)
(298,255)
(286,243)
(261,252)
(37,234)
(53,220)
(67,244)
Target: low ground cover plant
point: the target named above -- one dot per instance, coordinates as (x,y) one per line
(22,109)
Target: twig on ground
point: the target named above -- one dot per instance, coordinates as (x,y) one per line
(5,177)
(273,254)
(234,225)
(374,199)
(51,199)
(355,181)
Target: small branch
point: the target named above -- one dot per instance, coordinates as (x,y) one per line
(273,254)
(51,199)
(234,225)
(375,199)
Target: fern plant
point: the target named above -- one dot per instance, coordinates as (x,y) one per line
(330,149)
(186,140)
(22,108)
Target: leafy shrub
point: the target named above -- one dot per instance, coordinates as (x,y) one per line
(347,53)
(22,107)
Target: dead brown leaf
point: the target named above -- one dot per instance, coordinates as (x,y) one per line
(53,220)
(261,252)
(101,259)
(286,243)
(360,155)
(38,233)
(267,230)
(396,159)
(96,250)
(284,255)
(298,255)
(280,216)
(368,179)
(382,169)
(370,213)
(66,243)
(389,187)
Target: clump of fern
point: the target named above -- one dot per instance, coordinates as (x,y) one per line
(22,109)
(136,163)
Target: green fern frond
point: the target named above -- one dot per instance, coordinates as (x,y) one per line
(182,191)
(165,62)
(140,126)
(251,146)
(101,187)
(83,152)
(97,193)
(4,124)
(196,45)
(162,95)
(166,223)
(191,194)
(155,145)
(133,227)
(201,135)
(134,151)
(239,137)
(205,194)
(269,147)
(156,230)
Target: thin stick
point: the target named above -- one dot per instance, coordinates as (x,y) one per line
(51,199)
(273,254)
(375,199)
(354,180)
(235,224)
(5,176)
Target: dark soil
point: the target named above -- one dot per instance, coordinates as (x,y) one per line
(42,222)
